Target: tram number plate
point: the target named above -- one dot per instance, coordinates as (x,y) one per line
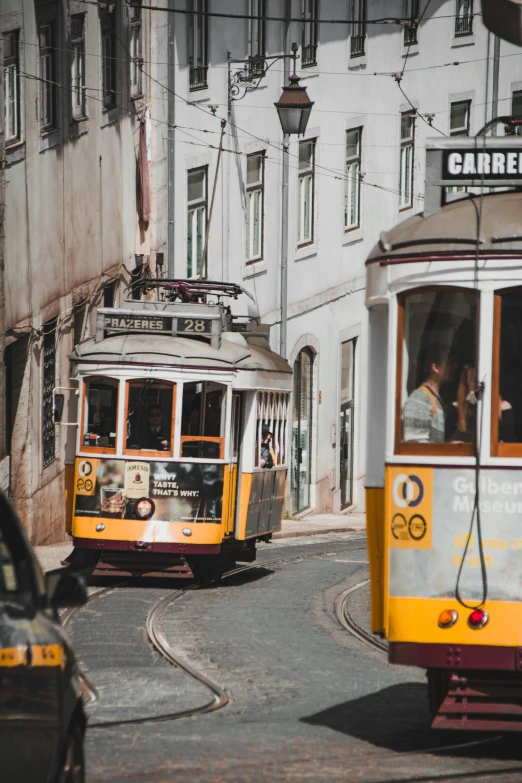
(194,325)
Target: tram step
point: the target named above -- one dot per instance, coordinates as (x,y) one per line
(481,704)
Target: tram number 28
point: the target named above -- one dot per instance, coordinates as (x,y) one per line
(198,325)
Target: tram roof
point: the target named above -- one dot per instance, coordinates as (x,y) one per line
(451,232)
(143,349)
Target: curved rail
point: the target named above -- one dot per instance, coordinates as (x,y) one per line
(344,617)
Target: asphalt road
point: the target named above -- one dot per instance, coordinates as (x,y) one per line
(308,701)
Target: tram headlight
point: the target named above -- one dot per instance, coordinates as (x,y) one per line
(478,619)
(144,508)
(447,618)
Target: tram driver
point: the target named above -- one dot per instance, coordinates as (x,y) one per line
(424,412)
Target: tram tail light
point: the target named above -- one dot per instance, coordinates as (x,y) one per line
(144,508)
(447,618)
(478,619)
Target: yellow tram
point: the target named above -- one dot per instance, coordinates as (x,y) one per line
(444,458)
(182,442)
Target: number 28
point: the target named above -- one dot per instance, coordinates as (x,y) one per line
(194,326)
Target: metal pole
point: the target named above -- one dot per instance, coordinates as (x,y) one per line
(284,198)
(496,67)
(171,146)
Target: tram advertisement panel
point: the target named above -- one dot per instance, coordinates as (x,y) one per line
(428,515)
(182,491)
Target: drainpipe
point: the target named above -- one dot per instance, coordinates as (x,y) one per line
(494,94)
(171,147)
(284,196)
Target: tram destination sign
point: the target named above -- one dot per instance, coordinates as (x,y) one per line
(493,164)
(136,323)
(121,321)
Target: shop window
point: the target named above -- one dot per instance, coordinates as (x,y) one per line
(150,411)
(302,407)
(436,377)
(506,391)
(271,432)
(100,411)
(203,420)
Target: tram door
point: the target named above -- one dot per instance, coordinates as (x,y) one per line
(236,428)
(346,422)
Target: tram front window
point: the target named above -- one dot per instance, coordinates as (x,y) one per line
(438,375)
(100,413)
(203,420)
(149,416)
(506,394)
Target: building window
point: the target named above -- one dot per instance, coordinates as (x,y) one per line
(459,118)
(48,384)
(256,28)
(12,86)
(410,32)
(406,162)
(346,423)
(255,206)
(78,65)
(305,192)
(47,75)
(464,18)
(309,13)
(197,219)
(358,37)
(108,46)
(136,60)
(198,44)
(302,407)
(516,108)
(353,179)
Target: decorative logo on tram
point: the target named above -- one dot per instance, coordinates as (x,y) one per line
(408,491)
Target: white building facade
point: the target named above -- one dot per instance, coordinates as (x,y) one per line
(380,84)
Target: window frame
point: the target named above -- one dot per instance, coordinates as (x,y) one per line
(11,65)
(411,32)
(407,143)
(305,174)
(278,402)
(135,50)
(193,206)
(108,70)
(348,162)
(198,45)
(460,17)
(498,449)
(447,448)
(77,43)
(221,439)
(47,64)
(309,33)
(464,129)
(98,449)
(159,456)
(251,190)
(358,29)
(256,43)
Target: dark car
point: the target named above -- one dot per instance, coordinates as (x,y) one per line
(42,720)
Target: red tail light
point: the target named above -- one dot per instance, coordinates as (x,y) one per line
(478,619)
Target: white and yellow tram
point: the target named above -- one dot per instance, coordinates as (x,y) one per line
(182,443)
(444,475)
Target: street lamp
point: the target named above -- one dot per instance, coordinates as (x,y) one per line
(294,107)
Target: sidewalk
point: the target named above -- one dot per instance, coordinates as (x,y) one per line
(315,524)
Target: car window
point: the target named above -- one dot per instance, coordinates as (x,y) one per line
(8,578)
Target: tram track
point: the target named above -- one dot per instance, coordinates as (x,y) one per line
(220,697)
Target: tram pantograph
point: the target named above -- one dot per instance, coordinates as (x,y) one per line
(182,444)
(444,474)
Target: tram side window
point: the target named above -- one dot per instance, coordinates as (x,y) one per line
(507,356)
(150,407)
(271,432)
(203,420)
(100,413)
(438,375)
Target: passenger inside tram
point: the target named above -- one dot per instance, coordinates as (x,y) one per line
(149,417)
(439,361)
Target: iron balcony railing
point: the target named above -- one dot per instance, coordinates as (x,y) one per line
(198,77)
(464,25)
(309,55)
(410,34)
(357,45)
